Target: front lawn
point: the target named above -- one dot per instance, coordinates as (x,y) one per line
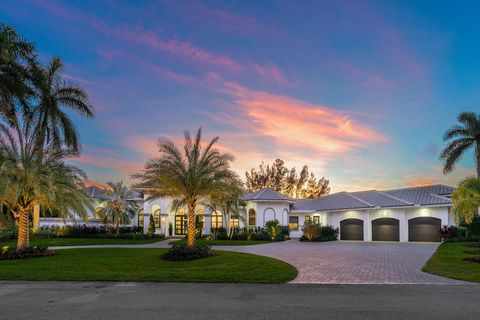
(448,262)
(53,242)
(224,242)
(147,265)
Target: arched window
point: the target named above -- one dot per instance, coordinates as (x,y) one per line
(252,217)
(217,220)
(140,218)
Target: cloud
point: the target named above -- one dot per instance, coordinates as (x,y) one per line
(182,49)
(298,123)
(271,74)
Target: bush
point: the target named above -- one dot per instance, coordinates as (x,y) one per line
(220,234)
(85,231)
(472,229)
(453,233)
(10,253)
(8,233)
(151,226)
(181,252)
(316,232)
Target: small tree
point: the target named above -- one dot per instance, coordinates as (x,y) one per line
(151,226)
(466,200)
(117,208)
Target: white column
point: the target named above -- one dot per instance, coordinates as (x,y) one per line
(367,228)
(207,221)
(146,221)
(403,227)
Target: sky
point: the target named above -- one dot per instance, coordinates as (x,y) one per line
(360,91)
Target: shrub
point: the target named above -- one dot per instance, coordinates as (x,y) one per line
(85,231)
(181,252)
(311,230)
(316,232)
(453,233)
(220,234)
(8,233)
(472,230)
(151,226)
(10,253)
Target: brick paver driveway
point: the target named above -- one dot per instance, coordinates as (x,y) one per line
(352,262)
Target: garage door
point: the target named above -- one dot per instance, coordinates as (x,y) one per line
(385,229)
(424,229)
(351,229)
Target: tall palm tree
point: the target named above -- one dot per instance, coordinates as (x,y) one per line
(190,174)
(16,54)
(228,201)
(466,200)
(55,95)
(29,178)
(117,208)
(461,138)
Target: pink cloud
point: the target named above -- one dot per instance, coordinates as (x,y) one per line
(185,50)
(298,123)
(271,73)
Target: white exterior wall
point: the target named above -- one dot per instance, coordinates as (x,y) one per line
(269,210)
(401,214)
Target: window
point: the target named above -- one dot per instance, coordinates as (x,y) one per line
(141,218)
(307,219)
(181,222)
(252,217)
(217,220)
(293,223)
(316,219)
(156,218)
(234,223)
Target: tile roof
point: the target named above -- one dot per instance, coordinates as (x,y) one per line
(407,197)
(265,195)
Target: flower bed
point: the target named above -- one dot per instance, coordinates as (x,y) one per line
(10,253)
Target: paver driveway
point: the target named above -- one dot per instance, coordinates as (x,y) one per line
(352,262)
(340,262)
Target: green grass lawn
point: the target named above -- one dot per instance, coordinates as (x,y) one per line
(51,242)
(448,262)
(147,265)
(224,242)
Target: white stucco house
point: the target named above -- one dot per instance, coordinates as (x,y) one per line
(409,214)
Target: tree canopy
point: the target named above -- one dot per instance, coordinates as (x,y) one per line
(287,181)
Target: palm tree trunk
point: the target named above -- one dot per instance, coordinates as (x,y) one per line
(191,226)
(23,240)
(117,227)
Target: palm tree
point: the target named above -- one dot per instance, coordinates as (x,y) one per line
(117,208)
(228,201)
(16,54)
(466,200)
(190,175)
(462,137)
(29,178)
(54,126)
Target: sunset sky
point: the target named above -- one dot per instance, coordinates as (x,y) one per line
(360,91)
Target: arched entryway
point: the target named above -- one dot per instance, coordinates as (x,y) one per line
(424,229)
(386,229)
(351,229)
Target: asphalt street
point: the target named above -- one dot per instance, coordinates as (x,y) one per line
(117,300)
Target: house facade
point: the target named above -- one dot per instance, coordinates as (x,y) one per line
(410,214)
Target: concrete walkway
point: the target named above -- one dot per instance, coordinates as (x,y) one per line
(339,262)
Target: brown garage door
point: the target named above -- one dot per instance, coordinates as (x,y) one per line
(385,229)
(424,229)
(351,229)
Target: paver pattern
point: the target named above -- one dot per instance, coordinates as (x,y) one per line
(342,262)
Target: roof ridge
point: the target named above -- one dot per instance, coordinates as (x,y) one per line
(357,198)
(393,197)
(419,187)
(439,196)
